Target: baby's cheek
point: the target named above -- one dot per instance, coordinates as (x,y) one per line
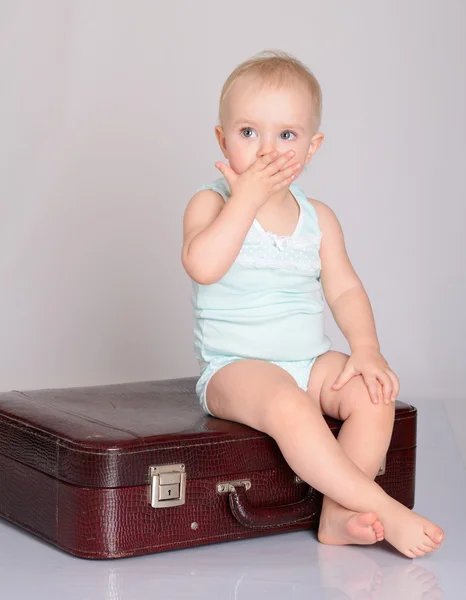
(239,164)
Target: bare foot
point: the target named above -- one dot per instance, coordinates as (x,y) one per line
(340,526)
(408,532)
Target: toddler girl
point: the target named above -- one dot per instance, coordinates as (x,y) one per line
(262,258)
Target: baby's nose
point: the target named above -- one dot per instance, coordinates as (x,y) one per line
(265,150)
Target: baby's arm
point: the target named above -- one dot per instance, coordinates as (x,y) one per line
(213,233)
(343,290)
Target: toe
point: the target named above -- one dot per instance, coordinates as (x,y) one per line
(367,519)
(435,533)
(417,551)
(377,526)
(425,548)
(428,542)
(379,530)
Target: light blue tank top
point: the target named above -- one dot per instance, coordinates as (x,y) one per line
(270,303)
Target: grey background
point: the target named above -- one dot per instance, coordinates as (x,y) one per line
(107,116)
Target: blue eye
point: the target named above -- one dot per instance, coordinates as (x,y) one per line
(250,129)
(290,132)
(246,129)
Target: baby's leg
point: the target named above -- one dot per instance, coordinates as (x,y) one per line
(365,437)
(267,398)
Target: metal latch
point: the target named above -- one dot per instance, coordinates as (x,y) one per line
(167,485)
(224,487)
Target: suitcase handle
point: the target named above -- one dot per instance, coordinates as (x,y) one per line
(272,516)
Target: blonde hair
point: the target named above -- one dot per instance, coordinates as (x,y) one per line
(276,68)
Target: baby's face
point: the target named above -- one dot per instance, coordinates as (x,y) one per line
(260,121)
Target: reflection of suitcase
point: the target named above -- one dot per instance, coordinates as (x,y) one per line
(126,469)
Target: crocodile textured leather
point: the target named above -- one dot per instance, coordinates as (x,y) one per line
(74,469)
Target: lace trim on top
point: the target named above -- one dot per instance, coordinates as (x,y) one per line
(272,251)
(286,241)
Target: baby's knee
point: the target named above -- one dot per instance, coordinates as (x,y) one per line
(288,404)
(358,398)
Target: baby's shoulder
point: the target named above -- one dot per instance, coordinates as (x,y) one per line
(317,204)
(220,186)
(319,209)
(322,209)
(328,221)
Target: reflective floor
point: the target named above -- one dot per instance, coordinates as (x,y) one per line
(290,565)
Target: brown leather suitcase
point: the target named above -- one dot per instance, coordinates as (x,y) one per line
(127,469)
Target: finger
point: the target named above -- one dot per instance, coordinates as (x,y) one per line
(221,167)
(286,159)
(348,372)
(340,380)
(283,184)
(281,180)
(287,174)
(264,161)
(371,384)
(277,165)
(226,171)
(387,385)
(396,384)
(380,392)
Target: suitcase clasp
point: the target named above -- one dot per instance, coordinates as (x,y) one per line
(167,486)
(225,487)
